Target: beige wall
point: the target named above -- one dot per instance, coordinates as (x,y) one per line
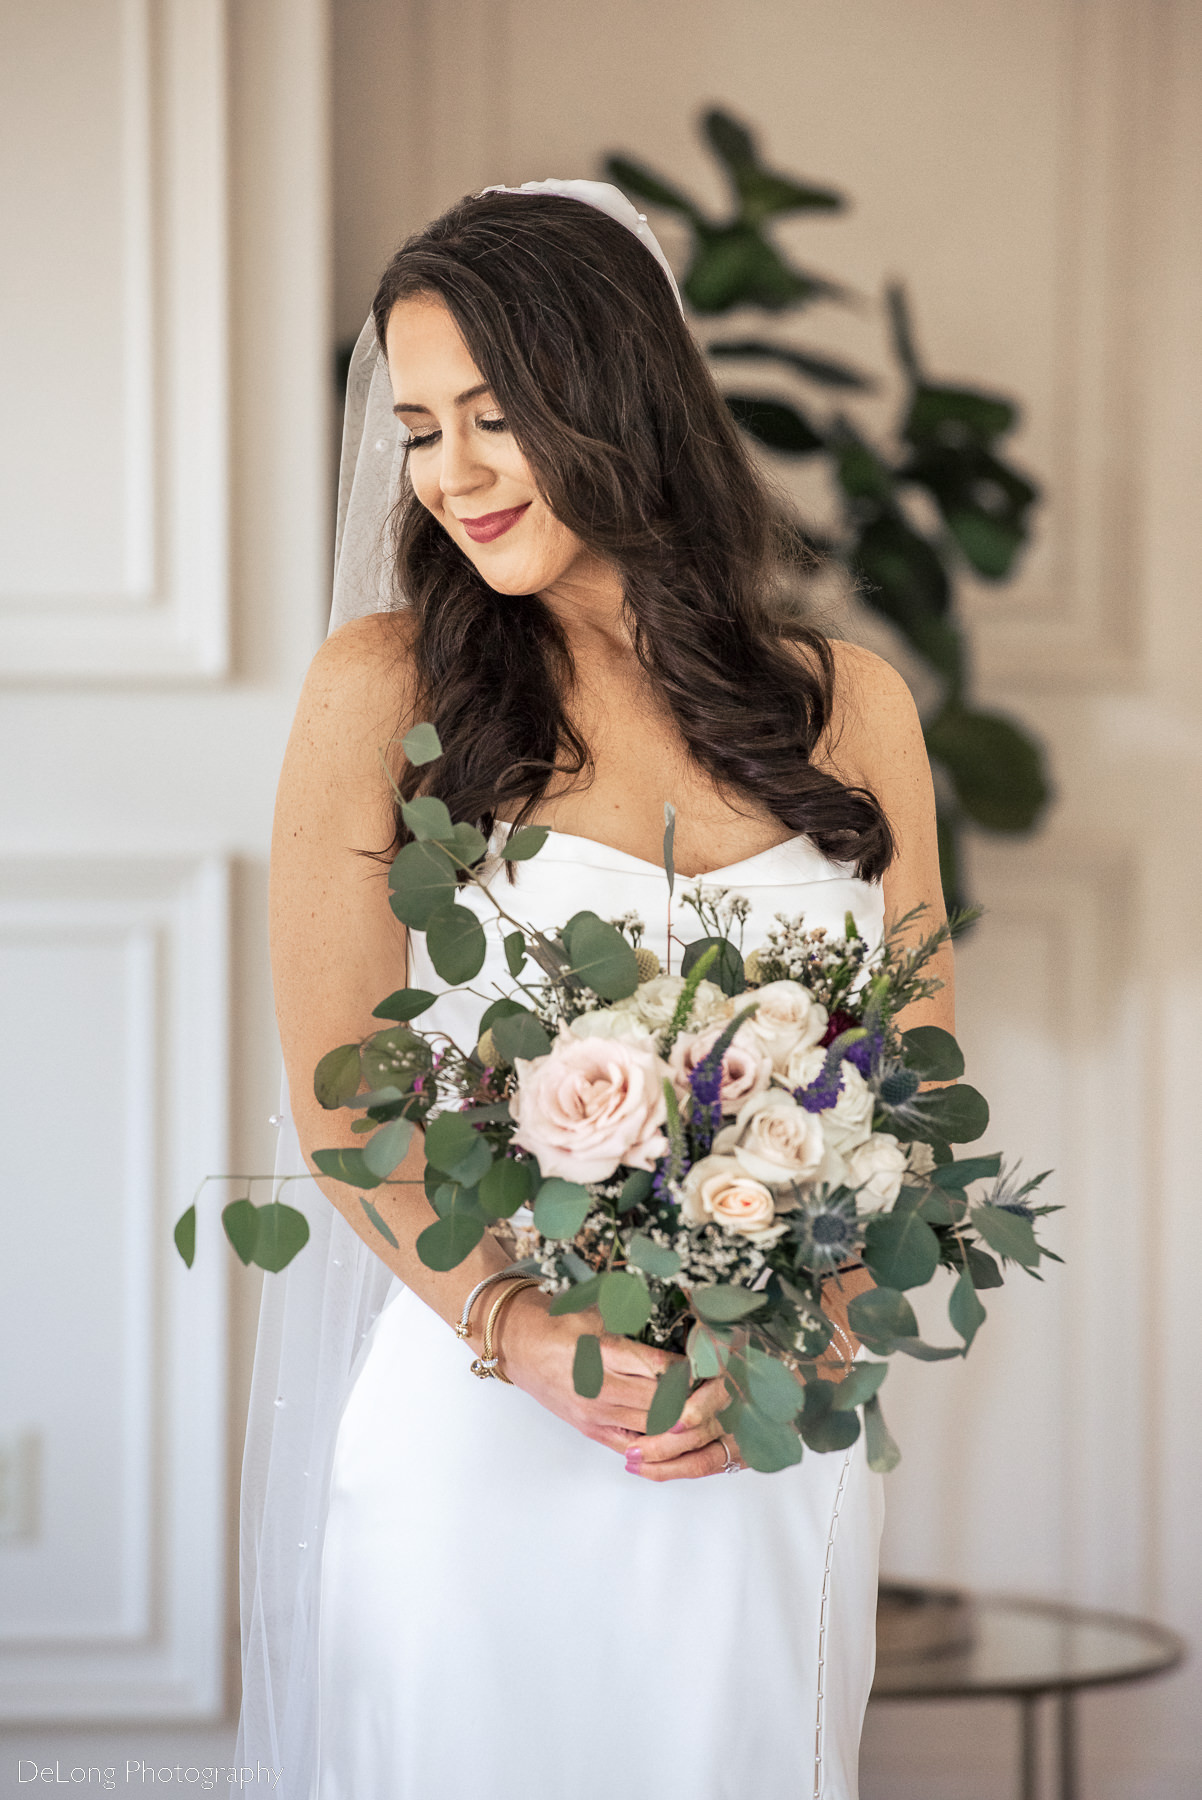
(1029,167)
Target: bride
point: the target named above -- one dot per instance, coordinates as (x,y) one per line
(465,1590)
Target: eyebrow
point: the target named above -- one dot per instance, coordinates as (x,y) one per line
(411,406)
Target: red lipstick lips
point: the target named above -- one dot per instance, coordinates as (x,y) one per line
(487,526)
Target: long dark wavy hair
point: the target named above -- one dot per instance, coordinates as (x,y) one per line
(577,332)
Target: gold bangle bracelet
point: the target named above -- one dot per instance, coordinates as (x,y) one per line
(488,1366)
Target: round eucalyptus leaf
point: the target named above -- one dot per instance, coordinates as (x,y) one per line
(427,817)
(671,1392)
(241,1222)
(421,745)
(625,1303)
(420,881)
(446,1243)
(883,1453)
(185,1235)
(933,1052)
(520,1034)
(466,844)
(521,845)
(882,1313)
(774,1390)
(560,1208)
(474,1165)
(721,1305)
(652,1258)
(901,1250)
(346,1165)
(588,1371)
(767,1444)
(337,1076)
(449,1137)
(283,1233)
(455,942)
(506,1186)
(388,1147)
(726,971)
(601,957)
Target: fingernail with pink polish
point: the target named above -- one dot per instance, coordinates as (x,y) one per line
(634,1461)
(680,1426)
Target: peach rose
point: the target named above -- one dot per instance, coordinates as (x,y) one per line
(774,1140)
(787,1019)
(746,1066)
(718,1192)
(590,1104)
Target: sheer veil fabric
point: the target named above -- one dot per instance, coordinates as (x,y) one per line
(316,1315)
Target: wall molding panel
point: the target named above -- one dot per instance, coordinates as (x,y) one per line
(114,512)
(114,1609)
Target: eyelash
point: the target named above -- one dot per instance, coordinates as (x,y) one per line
(428,437)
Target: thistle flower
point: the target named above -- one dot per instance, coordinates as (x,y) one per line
(825,1228)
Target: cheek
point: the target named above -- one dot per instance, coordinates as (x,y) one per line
(423,478)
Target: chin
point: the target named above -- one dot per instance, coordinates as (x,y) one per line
(513,575)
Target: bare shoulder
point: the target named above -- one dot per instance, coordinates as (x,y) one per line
(874,723)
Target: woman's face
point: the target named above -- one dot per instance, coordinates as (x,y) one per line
(465,466)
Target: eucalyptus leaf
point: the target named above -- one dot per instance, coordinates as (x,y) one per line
(283,1233)
(520,1034)
(773,1389)
(669,845)
(421,745)
(1008,1233)
(667,1404)
(449,1137)
(858,1385)
(721,1304)
(506,1186)
(427,817)
(942,1209)
(466,844)
(421,881)
(636,1188)
(765,1444)
(823,1428)
(346,1165)
(576,1299)
(560,1208)
(901,1250)
(521,845)
(455,943)
(337,1076)
(588,1371)
(708,1352)
(185,1235)
(446,1243)
(652,1258)
(882,1312)
(725,972)
(406,1003)
(625,1303)
(515,952)
(241,1222)
(883,1454)
(964,1310)
(933,1052)
(379,1221)
(956,1114)
(504,1008)
(956,1176)
(922,1352)
(383,1152)
(474,1165)
(601,957)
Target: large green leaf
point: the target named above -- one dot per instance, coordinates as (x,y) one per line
(636,1188)
(456,945)
(773,1389)
(725,972)
(388,1147)
(348,1166)
(764,1444)
(882,1312)
(823,1428)
(466,844)
(449,1138)
(625,1302)
(761,192)
(775,424)
(708,1352)
(576,1299)
(520,845)
(446,1243)
(520,1034)
(601,957)
(588,1371)
(858,1385)
(560,1208)
(636,178)
(901,1250)
(185,1235)
(933,1052)
(671,1392)
(821,370)
(515,952)
(996,768)
(965,1311)
(654,1259)
(951,417)
(907,583)
(421,745)
(427,817)
(883,1454)
(721,1305)
(379,1221)
(1012,1236)
(240,1220)
(406,1003)
(735,265)
(506,1186)
(337,1076)
(283,1233)
(420,881)
(956,1176)
(954,1115)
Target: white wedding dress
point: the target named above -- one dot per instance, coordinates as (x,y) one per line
(505,1613)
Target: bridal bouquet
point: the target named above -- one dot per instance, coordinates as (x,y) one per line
(691,1155)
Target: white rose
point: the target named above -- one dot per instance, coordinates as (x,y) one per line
(849,1121)
(655,1002)
(718,1192)
(774,1139)
(875,1168)
(920,1158)
(609,1022)
(787,1019)
(803,1066)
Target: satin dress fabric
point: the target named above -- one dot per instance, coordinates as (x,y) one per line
(505,1612)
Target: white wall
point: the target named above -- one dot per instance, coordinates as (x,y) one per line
(1029,167)
(164,508)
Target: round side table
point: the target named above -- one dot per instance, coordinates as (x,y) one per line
(1025,1650)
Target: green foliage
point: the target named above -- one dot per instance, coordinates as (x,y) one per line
(506,1186)
(337,1076)
(449,1139)
(421,745)
(933,1052)
(560,1208)
(722,1305)
(578,1298)
(388,1147)
(455,941)
(588,1371)
(635,1189)
(520,845)
(901,1250)
(185,1235)
(625,1302)
(945,447)
(406,1003)
(420,882)
(883,1453)
(965,1311)
(378,1220)
(444,1244)
(520,1034)
(346,1165)
(725,969)
(1009,1233)
(671,1392)
(600,957)
(652,1258)
(269,1236)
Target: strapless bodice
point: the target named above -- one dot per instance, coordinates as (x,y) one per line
(571,874)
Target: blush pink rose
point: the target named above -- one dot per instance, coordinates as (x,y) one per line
(746,1067)
(591,1104)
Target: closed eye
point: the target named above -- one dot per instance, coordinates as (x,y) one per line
(420,440)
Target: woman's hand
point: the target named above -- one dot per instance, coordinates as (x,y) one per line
(538,1351)
(694,1446)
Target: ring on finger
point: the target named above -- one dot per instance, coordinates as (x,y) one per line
(730,1466)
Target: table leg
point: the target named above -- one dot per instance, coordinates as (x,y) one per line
(1029,1704)
(1066,1734)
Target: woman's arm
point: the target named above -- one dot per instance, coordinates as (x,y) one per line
(337,949)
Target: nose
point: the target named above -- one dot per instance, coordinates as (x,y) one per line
(461,471)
